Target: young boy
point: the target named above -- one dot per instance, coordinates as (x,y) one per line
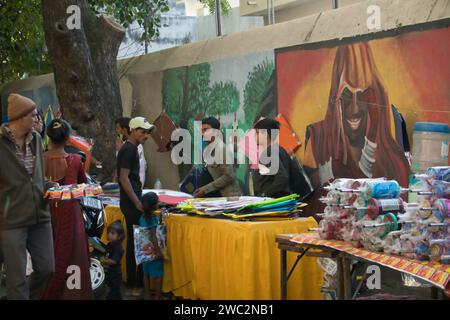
(111,263)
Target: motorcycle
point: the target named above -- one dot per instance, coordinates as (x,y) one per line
(93,215)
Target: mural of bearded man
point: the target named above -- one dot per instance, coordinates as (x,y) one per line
(354,140)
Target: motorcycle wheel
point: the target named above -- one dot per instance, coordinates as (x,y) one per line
(97,278)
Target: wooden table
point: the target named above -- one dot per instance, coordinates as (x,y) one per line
(344,254)
(311,250)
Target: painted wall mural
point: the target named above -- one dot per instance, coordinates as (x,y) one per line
(339,99)
(237,91)
(239,86)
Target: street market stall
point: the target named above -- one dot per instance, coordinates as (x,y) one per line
(223,259)
(231,253)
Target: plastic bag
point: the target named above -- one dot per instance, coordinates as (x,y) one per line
(161,236)
(144,249)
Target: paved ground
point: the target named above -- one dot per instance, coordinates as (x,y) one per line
(391,282)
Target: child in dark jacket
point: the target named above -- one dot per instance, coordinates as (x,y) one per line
(114,253)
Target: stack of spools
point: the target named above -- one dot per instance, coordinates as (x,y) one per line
(428,230)
(377,210)
(361,211)
(370,213)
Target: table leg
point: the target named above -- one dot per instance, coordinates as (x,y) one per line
(340,272)
(283,266)
(434,293)
(347,279)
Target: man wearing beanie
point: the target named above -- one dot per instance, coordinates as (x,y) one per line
(24,218)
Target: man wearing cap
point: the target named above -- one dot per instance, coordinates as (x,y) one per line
(131,193)
(123,131)
(24,218)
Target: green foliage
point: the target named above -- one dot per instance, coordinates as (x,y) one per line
(255,88)
(211,5)
(187,92)
(147,13)
(223,98)
(22,40)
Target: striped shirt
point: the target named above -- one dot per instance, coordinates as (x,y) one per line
(27,158)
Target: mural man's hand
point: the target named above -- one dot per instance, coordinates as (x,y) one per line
(374,115)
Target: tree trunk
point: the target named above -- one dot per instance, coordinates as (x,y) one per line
(85,69)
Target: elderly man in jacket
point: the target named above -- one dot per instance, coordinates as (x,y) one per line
(218,178)
(24,218)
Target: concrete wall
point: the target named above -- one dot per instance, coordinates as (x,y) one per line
(290,9)
(295,10)
(232,23)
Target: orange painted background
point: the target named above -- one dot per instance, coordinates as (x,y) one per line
(414,68)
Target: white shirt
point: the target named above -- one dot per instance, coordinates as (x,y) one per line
(142,164)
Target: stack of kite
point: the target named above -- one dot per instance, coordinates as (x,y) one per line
(244,208)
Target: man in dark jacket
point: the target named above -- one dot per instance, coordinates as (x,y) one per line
(272,177)
(24,218)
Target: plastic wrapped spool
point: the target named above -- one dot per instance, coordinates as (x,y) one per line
(425,213)
(376,207)
(439,173)
(332,199)
(438,189)
(381,226)
(327,229)
(390,221)
(437,250)
(338,184)
(360,203)
(439,228)
(356,237)
(442,210)
(344,214)
(381,189)
(347,232)
(422,250)
(439,247)
(445,259)
(391,243)
(408,248)
(441,189)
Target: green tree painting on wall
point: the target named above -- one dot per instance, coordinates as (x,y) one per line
(187,92)
(257,90)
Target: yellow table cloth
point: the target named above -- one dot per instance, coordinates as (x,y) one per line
(223,259)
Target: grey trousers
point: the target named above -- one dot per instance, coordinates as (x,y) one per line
(38,240)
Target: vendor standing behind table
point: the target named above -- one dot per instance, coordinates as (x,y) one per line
(123,131)
(131,194)
(272,177)
(217,179)
(70,240)
(24,216)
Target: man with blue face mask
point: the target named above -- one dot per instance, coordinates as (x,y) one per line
(217,179)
